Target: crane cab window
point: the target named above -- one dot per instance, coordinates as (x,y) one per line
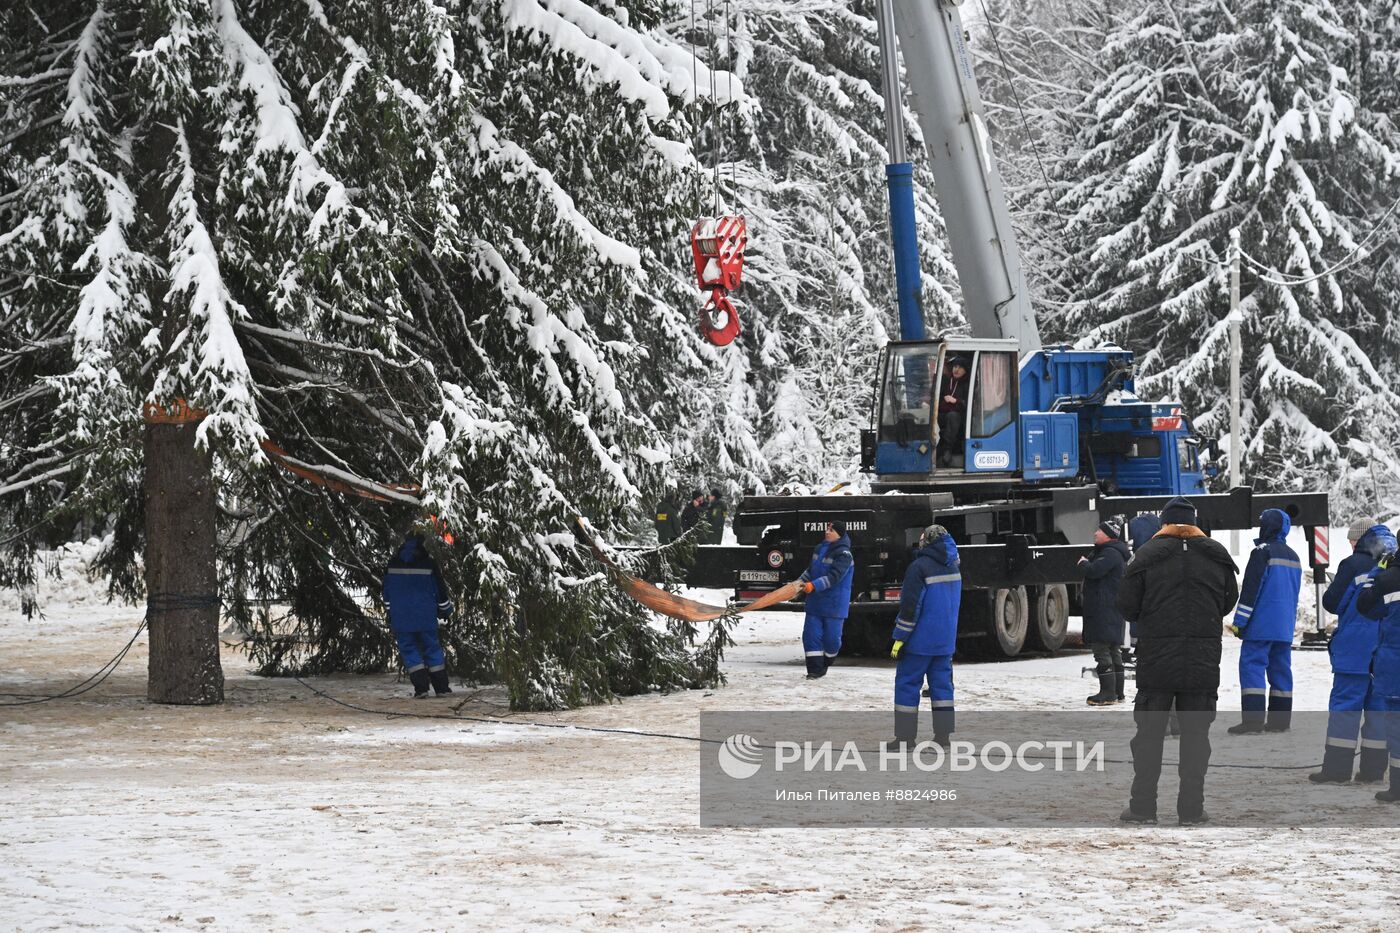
(1186,456)
(1146,448)
(906,409)
(993,393)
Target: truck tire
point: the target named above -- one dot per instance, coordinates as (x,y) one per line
(867,634)
(1049,623)
(1001,620)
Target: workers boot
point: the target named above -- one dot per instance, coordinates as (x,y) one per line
(442,685)
(1108,694)
(1248,727)
(906,726)
(1391,794)
(1373,763)
(1193,819)
(1129,815)
(943,719)
(1336,766)
(419,679)
(1119,682)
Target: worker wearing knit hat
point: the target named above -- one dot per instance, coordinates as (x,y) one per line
(1179,511)
(1358,529)
(827,584)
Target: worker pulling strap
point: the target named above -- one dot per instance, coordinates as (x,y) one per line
(669,604)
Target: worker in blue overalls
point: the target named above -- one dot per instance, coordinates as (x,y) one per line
(1379,599)
(417,598)
(1265,619)
(1353,648)
(827,584)
(926,634)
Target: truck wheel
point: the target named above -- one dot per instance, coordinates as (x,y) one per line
(995,624)
(1049,617)
(867,635)
(1010,619)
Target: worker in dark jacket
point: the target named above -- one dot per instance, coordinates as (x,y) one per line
(1142,528)
(1178,588)
(667,519)
(693,511)
(416,598)
(714,514)
(1379,599)
(926,634)
(1103,623)
(827,584)
(1265,619)
(1352,650)
(1140,531)
(952,411)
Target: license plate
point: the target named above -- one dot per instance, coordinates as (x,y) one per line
(758,576)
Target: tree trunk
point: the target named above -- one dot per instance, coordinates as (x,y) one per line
(182,580)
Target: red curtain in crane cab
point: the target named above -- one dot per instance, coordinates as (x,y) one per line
(993,394)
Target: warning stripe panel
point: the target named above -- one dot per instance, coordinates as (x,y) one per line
(1320,545)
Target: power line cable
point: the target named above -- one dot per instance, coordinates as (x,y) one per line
(1025,123)
(1357,255)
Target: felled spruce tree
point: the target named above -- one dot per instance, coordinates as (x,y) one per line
(435,249)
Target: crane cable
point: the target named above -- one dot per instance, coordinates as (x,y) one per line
(1025,123)
(714,123)
(716,120)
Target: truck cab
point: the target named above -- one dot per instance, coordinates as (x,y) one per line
(962,410)
(1131,446)
(951,410)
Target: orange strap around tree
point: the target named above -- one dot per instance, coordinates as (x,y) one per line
(669,604)
(178,411)
(339,480)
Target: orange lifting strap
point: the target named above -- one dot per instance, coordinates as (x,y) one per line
(669,604)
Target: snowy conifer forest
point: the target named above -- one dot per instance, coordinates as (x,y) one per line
(439,251)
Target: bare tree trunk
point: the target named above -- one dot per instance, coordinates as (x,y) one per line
(182,580)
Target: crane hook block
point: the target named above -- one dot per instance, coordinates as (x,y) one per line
(719,319)
(717,244)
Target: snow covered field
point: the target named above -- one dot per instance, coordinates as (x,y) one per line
(282,811)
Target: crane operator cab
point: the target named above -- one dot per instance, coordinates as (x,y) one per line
(948,410)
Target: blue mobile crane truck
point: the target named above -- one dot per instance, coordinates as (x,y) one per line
(1047,443)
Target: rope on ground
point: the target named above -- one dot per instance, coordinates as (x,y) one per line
(506,722)
(699,740)
(156,604)
(90,683)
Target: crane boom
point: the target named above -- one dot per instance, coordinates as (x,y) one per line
(943,92)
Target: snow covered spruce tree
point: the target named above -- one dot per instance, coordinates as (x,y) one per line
(433,247)
(1216,116)
(807,165)
(1036,61)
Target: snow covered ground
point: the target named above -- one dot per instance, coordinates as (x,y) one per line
(282,811)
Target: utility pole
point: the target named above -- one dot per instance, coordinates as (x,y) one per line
(1234,319)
